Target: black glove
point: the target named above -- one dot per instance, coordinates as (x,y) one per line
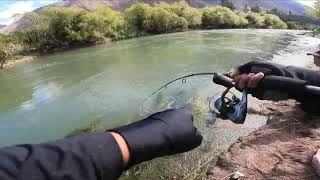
(165,133)
(285,88)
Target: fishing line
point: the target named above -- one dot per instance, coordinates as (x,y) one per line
(183,78)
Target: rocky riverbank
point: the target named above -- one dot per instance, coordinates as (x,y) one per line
(24,59)
(282,149)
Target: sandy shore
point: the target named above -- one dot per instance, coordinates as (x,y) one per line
(282,149)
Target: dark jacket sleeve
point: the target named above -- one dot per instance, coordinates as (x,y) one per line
(309,102)
(268,68)
(88,157)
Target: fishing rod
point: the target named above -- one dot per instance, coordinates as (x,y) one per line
(182,78)
(234,108)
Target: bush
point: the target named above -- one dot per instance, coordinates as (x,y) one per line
(182,9)
(273,22)
(243,22)
(137,14)
(63,27)
(155,19)
(101,23)
(63,22)
(255,20)
(219,17)
(161,21)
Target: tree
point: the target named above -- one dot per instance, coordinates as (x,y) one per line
(315,11)
(227,3)
(255,8)
(245,8)
(100,24)
(273,22)
(162,20)
(219,17)
(255,20)
(182,9)
(137,14)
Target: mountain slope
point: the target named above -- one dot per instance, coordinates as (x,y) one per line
(284,5)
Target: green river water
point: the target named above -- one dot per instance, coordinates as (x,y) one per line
(53,95)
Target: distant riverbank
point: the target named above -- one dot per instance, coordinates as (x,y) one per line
(64,28)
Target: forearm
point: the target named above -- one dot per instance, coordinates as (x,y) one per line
(274,90)
(269,68)
(88,157)
(102,156)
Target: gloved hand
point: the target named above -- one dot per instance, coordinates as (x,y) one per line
(280,90)
(165,133)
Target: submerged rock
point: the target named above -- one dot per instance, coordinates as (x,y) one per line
(91,128)
(237,175)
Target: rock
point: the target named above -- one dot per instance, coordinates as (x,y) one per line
(237,175)
(316,162)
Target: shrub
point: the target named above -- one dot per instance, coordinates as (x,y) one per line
(156,19)
(161,21)
(243,22)
(255,20)
(137,14)
(219,17)
(182,9)
(61,27)
(273,22)
(63,22)
(101,23)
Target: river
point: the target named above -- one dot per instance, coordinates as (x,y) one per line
(53,95)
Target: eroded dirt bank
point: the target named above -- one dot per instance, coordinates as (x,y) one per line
(282,149)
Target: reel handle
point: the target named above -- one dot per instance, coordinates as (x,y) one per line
(223,80)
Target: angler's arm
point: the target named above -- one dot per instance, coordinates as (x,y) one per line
(244,74)
(102,156)
(88,157)
(269,68)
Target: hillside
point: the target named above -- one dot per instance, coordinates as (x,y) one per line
(284,5)
(120,5)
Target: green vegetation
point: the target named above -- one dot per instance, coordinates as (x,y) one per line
(300,22)
(163,17)
(222,17)
(56,28)
(8,48)
(64,27)
(315,14)
(219,17)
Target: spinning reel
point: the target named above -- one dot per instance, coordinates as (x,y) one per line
(224,107)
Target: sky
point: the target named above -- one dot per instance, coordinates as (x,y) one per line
(8,8)
(307,2)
